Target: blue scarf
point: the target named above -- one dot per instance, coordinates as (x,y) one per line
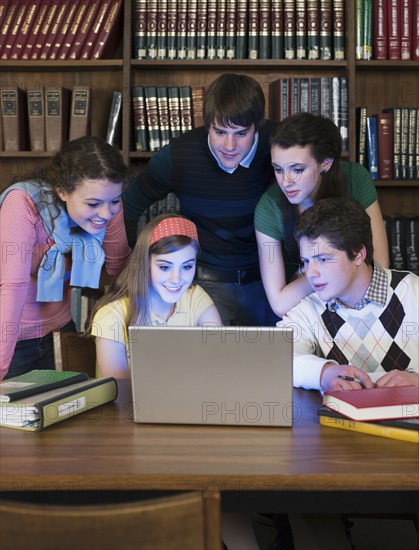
(86,249)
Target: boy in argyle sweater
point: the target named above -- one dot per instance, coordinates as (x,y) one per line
(361,318)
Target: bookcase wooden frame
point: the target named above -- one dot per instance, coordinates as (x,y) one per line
(375,84)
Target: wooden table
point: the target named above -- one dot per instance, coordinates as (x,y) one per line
(305,468)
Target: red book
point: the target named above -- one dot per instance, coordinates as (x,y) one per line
(110,32)
(406,28)
(34,31)
(375,403)
(198,94)
(62,29)
(45,29)
(380,35)
(86,20)
(14,31)
(393,18)
(385,145)
(24,29)
(57,24)
(72,29)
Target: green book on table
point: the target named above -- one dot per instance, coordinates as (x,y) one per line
(37,381)
(36,412)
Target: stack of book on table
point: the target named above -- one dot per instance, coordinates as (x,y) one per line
(40,398)
(386,412)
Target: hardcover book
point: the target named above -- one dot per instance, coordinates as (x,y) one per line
(6,26)
(14,30)
(191,20)
(375,403)
(393,22)
(14,115)
(198,94)
(174,111)
(107,38)
(231,28)
(396,113)
(45,29)
(152,29)
(406,28)
(79,112)
(86,20)
(397,242)
(326,26)
(23,29)
(289,29)
(63,31)
(277,33)
(412,244)
(212,29)
(338,31)
(36,118)
(367,30)
(361,135)
(139,119)
(380,32)
(57,110)
(163,109)
(265,29)
(185,103)
(220,29)
(404,430)
(37,381)
(36,412)
(162,29)
(182,25)
(301,28)
(140,29)
(171,29)
(72,30)
(64,12)
(385,146)
(413,145)
(152,116)
(201,29)
(313,29)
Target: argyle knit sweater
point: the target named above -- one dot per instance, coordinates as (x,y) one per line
(374,339)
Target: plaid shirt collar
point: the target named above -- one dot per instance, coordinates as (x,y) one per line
(376,291)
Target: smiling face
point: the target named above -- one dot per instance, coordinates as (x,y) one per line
(331,273)
(231,144)
(93,204)
(171,275)
(298,173)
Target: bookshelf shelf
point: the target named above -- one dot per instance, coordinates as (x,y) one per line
(387,65)
(225,64)
(69,65)
(397,183)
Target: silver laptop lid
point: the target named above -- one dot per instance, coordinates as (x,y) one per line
(212,375)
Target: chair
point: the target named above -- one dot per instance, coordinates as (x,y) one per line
(74,352)
(186,521)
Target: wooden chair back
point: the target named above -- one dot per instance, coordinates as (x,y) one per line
(187,521)
(74,352)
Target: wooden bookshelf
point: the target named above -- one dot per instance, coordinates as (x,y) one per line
(376,84)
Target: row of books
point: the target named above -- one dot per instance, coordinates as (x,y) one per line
(43,118)
(386,29)
(161,113)
(388,143)
(402,235)
(326,96)
(386,412)
(239,29)
(40,398)
(53,29)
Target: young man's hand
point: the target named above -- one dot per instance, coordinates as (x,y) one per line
(339,377)
(398,378)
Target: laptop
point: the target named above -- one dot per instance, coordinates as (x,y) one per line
(212,375)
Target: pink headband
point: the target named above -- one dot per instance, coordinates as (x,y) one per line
(174,226)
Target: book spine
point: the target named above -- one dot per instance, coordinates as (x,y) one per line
(56,116)
(289,29)
(58,22)
(198,94)
(406,28)
(404,143)
(60,37)
(185,103)
(139,118)
(152,29)
(277,34)
(372,147)
(339,50)
(201,29)
(361,130)
(76,402)
(412,244)
(313,33)
(294,103)
(113,133)
(162,29)
(221,29)
(241,34)
(304,95)
(182,22)
(253,35)
(385,145)
(191,21)
(79,46)
(212,29)
(301,29)
(284,99)
(335,90)
(315,96)
(380,36)
(172,29)
(359,29)
(415,30)
(174,111)
(13,103)
(394,51)
(72,31)
(398,242)
(107,33)
(45,29)
(152,115)
(36,119)
(413,142)
(326,96)
(344,113)
(80,111)
(163,109)
(5,33)
(231,29)
(326,25)
(140,29)
(367,31)
(265,29)
(370,428)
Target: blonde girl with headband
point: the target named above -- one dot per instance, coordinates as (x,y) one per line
(155,289)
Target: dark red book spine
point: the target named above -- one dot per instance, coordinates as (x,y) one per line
(45,29)
(394,51)
(415,32)
(15,33)
(63,30)
(380,34)
(385,145)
